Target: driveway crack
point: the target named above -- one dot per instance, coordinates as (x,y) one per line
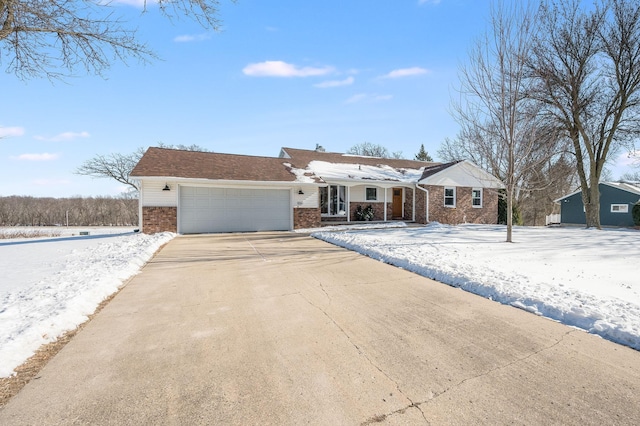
(365,356)
(382,417)
(509,364)
(324,290)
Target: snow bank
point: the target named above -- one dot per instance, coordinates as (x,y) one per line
(52,285)
(583,278)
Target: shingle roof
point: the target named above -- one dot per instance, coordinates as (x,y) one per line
(300,158)
(436,168)
(163,162)
(631,187)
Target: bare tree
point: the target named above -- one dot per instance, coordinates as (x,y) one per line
(500,122)
(369,149)
(631,177)
(115,166)
(54,38)
(99,211)
(587,64)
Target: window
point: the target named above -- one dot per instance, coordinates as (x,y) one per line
(476,197)
(449,197)
(619,208)
(333,200)
(371,194)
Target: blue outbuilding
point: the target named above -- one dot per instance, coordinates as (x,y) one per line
(616,202)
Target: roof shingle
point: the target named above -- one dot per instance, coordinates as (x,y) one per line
(163,162)
(300,158)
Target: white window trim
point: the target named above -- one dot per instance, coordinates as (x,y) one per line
(481,198)
(444,201)
(346,201)
(622,208)
(365,193)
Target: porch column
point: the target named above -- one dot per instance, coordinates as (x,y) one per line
(385,204)
(348,204)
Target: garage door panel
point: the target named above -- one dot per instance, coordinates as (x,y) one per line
(205,210)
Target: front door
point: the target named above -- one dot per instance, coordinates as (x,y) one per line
(397,204)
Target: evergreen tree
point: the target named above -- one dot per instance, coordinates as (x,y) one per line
(423,155)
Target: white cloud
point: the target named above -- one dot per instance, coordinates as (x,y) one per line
(368,97)
(62,137)
(37,157)
(11,131)
(335,83)
(406,72)
(186,38)
(283,69)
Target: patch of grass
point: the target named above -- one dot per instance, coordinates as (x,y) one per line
(8,233)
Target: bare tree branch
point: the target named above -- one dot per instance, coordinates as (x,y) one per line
(502,129)
(587,64)
(118,166)
(55,38)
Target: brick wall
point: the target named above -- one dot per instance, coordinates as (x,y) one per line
(306,218)
(159,219)
(463,212)
(421,211)
(408,204)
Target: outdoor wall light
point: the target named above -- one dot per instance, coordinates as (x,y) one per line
(300,192)
(166,187)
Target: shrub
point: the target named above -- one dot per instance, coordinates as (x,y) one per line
(364,214)
(635,212)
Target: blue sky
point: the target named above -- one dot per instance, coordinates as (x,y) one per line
(280,73)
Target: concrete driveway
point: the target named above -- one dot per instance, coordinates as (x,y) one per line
(279,328)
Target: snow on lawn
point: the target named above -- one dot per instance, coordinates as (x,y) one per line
(585,278)
(50,285)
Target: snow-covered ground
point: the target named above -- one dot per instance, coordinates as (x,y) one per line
(585,278)
(50,285)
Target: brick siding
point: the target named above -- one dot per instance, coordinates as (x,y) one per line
(421,216)
(159,219)
(306,218)
(463,212)
(408,204)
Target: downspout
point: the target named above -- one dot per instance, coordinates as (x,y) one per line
(426,191)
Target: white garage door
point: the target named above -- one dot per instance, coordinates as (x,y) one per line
(205,210)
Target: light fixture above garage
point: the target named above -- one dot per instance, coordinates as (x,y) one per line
(300,192)
(166,187)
